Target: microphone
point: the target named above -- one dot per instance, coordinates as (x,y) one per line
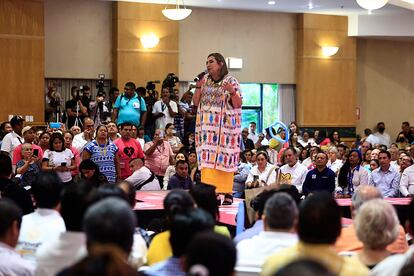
(201,75)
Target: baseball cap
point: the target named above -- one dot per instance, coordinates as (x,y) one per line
(27,128)
(15,120)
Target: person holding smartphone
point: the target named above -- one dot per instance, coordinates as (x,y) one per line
(58,158)
(262,174)
(29,135)
(28,168)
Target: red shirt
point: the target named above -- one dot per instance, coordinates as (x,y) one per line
(17,154)
(127,150)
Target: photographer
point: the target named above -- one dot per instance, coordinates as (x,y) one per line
(98,110)
(164,110)
(71,107)
(130,107)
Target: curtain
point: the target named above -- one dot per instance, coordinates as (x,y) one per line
(286,106)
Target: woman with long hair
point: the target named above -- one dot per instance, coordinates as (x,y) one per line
(352,174)
(218,125)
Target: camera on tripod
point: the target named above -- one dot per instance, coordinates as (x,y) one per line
(151,85)
(100,83)
(169,83)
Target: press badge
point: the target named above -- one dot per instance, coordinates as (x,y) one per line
(313,176)
(135,105)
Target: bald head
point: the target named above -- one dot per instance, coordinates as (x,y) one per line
(363,194)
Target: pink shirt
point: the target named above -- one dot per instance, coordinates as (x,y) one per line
(77,160)
(127,150)
(17,154)
(159,160)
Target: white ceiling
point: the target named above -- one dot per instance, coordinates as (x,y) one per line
(335,7)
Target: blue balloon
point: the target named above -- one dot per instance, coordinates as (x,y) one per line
(281,124)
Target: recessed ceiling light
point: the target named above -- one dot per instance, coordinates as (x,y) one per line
(271,2)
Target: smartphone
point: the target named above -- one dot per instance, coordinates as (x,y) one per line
(36,152)
(54,125)
(63,164)
(255,177)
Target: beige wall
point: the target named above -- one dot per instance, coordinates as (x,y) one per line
(265,41)
(326,87)
(22,59)
(78,38)
(385,84)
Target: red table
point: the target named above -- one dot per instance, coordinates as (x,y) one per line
(393,201)
(153,200)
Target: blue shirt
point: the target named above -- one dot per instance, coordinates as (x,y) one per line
(250,232)
(129,109)
(171,266)
(104,158)
(387,182)
(319,181)
(178,182)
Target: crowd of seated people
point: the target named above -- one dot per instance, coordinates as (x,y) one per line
(56,176)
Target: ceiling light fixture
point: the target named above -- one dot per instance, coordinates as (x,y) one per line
(329,51)
(372,4)
(180,12)
(271,2)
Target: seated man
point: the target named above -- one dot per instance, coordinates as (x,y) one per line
(142,178)
(108,223)
(407,182)
(181,179)
(279,219)
(45,223)
(10,220)
(386,178)
(348,241)
(321,178)
(319,227)
(292,172)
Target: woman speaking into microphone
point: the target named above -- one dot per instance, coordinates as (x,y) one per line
(218,126)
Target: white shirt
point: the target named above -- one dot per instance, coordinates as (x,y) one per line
(56,158)
(10,142)
(253,136)
(160,107)
(335,166)
(254,251)
(168,173)
(383,139)
(140,176)
(141,142)
(37,228)
(60,252)
(79,142)
(310,141)
(293,175)
(407,181)
(268,176)
(392,265)
(11,264)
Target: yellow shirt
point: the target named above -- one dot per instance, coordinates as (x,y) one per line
(160,248)
(325,254)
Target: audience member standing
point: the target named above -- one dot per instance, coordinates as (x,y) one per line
(14,138)
(29,134)
(82,139)
(130,107)
(164,110)
(128,149)
(383,137)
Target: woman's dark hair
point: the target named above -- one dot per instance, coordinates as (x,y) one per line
(98,128)
(220,59)
(376,161)
(168,125)
(344,170)
(98,178)
(332,139)
(43,134)
(177,201)
(205,197)
(53,137)
(307,154)
(3,129)
(262,153)
(321,136)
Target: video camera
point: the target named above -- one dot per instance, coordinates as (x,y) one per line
(100,83)
(169,83)
(151,85)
